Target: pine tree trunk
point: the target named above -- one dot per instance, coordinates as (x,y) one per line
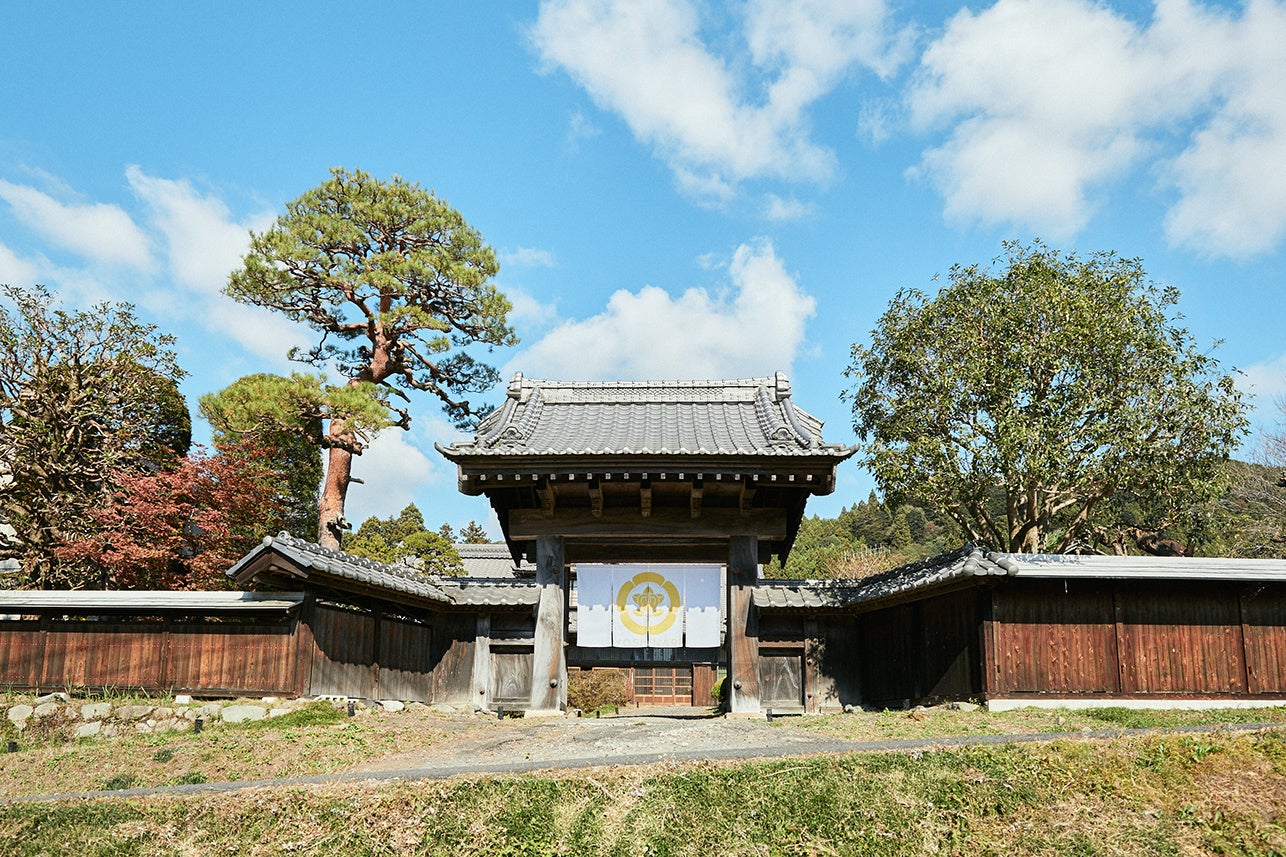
(330,508)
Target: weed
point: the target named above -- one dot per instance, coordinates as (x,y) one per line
(312,714)
(118,782)
(165,754)
(191,778)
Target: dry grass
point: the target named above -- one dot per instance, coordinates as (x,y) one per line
(1173,795)
(944,722)
(266,749)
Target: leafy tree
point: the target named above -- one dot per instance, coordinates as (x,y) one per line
(395,283)
(84,397)
(405,539)
(474,534)
(180,528)
(283,416)
(1057,381)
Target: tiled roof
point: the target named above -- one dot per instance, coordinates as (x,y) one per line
(491,561)
(752,416)
(966,562)
(490,593)
(313,557)
(972,561)
(75,601)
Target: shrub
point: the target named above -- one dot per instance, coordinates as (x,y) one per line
(592,689)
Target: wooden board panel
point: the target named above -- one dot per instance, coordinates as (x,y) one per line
(510,678)
(703,678)
(234,657)
(949,655)
(888,655)
(1185,639)
(98,655)
(21,653)
(405,660)
(452,658)
(345,653)
(781,678)
(1051,637)
(1263,619)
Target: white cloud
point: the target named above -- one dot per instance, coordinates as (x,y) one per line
(1266,380)
(527,257)
(1047,101)
(203,242)
(527,312)
(1230,179)
(15,270)
(102,233)
(392,471)
(718,119)
(780,210)
(755,328)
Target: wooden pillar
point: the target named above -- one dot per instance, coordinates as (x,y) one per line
(305,645)
(481,692)
(743,625)
(549,659)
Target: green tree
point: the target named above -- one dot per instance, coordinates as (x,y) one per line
(404,539)
(474,534)
(84,396)
(1057,381)
(396,285)
(283,416)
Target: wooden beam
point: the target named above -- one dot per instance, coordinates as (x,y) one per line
(549,657)
(698,489)
(645,497)
(743,626)
(747,495)
(595,498)
(545,493)
(481,690)
(627,524)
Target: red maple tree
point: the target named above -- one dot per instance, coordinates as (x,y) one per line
(182,527)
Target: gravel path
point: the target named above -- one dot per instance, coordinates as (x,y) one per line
(525,746)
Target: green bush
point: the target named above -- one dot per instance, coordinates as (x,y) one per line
(716,691)
(590,690)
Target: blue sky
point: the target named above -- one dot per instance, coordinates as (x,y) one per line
(674,188)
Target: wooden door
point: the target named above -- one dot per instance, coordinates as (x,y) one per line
(781,678)
(511,678)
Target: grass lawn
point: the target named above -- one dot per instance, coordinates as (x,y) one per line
(1165,795)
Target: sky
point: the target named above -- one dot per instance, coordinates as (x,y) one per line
(674,188)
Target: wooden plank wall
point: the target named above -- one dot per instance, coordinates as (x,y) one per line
(921,651)
(367,654)
(217,658)
(1055,638)
(1138,639)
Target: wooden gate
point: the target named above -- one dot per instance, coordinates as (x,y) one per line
(511,677)
(781,678)
(663,685)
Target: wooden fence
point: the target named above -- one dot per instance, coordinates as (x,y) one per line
(225,658)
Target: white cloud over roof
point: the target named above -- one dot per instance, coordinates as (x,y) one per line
(753,328)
